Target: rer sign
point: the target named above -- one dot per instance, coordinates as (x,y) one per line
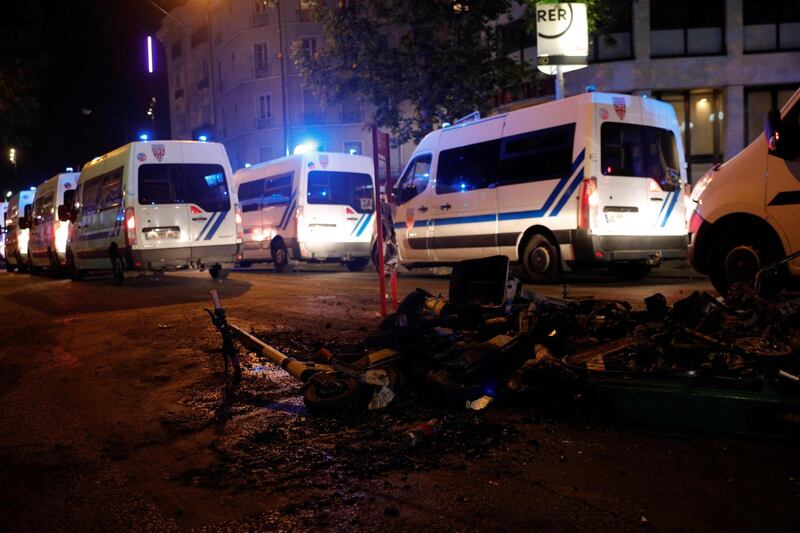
(562,37)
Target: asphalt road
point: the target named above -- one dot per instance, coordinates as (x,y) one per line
(115,415)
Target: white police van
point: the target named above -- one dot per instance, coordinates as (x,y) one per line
(159,205)
(3,214)
(17,231)
(317,206)
(594,179)
(747,211)
(47,243)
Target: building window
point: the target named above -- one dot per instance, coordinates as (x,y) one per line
(614,41)
(261,59)
(176,50)
(312,109)
(309,46)
(203,83)
(517,42)
(701,119)
(306,11)
(260,15)
(199,36)
(266,153)
(758,102)
(681,28)
(354,147)
(263,111)
(772,26)
(351,111)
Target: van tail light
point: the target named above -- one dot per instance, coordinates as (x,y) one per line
(239,229)
(587,208)
(654,186)
(130,226)
(298,218)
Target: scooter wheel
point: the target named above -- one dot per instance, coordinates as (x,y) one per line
(328,392)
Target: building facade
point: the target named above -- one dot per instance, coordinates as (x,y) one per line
(722,64)
(231,79)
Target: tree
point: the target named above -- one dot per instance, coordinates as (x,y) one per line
(22,58)
(417,63)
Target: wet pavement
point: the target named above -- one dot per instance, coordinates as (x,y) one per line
(115,415)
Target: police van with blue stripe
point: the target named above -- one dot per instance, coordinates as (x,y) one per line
(157,205)
(592,180)
(313,207)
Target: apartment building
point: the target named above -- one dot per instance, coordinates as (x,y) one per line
(231,78)
(721,64)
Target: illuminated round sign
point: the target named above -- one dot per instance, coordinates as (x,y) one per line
(562,36)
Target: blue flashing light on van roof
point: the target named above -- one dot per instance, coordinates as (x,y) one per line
(247,165)
(69,169)
(305,147)
(143,137)
(202,138)
(33,188)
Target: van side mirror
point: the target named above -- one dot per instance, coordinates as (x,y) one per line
(772,131)
(64,213)
(22,222)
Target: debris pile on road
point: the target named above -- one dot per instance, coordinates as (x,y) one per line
(489,338)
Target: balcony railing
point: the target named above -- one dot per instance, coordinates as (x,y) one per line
(263,122)
(311,118)
(351,116)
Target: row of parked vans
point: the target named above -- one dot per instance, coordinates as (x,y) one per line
(593,180)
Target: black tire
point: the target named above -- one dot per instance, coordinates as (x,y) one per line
(630,271)
(357,265)
(9,266)
(280,257)
(541,260)
(328,392)
(22,266)
(33,269)
(244,264)
(118,269)
(75,274)
(55,266)
(737,255)
(217,272)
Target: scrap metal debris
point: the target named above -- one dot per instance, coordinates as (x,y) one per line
(489,338)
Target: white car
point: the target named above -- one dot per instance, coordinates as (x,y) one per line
(747,211)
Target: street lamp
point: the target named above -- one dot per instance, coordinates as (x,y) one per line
(12,156)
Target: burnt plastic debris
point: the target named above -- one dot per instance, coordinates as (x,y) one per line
(420,433)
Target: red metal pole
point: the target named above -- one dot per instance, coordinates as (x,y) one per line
(379,218)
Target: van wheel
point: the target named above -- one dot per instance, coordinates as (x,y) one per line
(117,269)
(737,256)
(280,257)
(22,266)
(75,274)
(55,266)
(33,269)
(357,265)
(217,272)
(541,260)
(630,271)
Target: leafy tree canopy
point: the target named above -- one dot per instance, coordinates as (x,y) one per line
(417,63)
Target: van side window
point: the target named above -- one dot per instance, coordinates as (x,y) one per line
(36,211)
(537,155)
(250,195)
(279,190)
(416,176)
(111,190)
(47,208)
(466,168)
(89,198)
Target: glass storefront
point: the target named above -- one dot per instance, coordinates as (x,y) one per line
(701,119)
(758,102)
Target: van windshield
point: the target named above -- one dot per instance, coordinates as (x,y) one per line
(640,151)
(188,183)
(341,188)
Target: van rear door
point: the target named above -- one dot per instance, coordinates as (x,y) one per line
(340,205)
(640,191)
(184,204)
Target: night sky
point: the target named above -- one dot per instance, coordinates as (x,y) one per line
(97,60)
